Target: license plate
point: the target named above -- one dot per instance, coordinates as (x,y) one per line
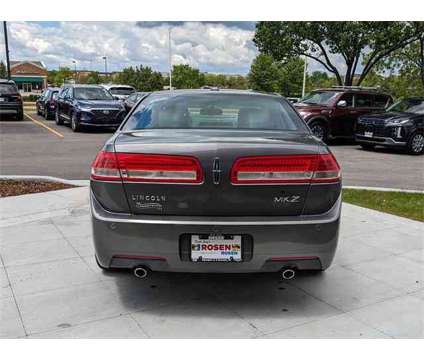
(368,134)
(2,99)
(225,248)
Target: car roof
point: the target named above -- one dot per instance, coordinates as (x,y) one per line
(108,86)
(83,85)
(216,91)
(353,89)
(6,81)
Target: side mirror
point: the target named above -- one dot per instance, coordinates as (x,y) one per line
(342,104)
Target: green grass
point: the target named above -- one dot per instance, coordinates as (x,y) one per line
(409,205)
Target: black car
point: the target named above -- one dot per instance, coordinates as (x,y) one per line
(46,103)
(88,105)
(10,100)
(133,99)
(402,125)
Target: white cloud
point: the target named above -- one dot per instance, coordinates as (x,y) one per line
(208,46)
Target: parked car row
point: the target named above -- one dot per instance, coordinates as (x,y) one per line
(83,106)
(366,115)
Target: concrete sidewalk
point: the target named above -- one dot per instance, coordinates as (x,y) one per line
(51,286)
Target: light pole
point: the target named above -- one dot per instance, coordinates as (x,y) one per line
(170,58)
(305,68)
(105,59)
(75,69)
(6,44)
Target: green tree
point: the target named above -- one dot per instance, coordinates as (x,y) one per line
(352,40)
(263,75)
(271,76)
(186,77)
(3,70)
(93,78)
(237,82)
(58,77)
(143,78)
(290,79)
(319,79)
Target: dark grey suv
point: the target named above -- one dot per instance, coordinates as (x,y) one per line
(10,100)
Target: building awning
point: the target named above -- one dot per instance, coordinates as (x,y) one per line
(24,79)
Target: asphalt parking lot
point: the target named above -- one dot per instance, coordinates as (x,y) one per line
(51,287)
(28,148)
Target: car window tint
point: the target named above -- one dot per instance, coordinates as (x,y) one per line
(214,111)
(363,100)
(348,98)
(64,92)
(8,89)
(380,101)
(92,93)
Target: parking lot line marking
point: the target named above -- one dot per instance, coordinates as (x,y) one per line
(57,133)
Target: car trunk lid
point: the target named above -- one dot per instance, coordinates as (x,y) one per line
(215,152)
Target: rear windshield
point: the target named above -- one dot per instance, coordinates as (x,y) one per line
(8,89)
(121,91)
(319,97)
(214,111)
(92,93)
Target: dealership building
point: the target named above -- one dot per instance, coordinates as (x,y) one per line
(29,76)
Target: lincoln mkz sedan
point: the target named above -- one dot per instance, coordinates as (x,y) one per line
(215,181)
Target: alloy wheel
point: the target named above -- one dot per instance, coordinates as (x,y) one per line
(417,143)
(318,131)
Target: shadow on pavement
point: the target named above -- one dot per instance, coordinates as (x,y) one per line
(264,294)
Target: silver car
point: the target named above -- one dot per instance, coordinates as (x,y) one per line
(215,181)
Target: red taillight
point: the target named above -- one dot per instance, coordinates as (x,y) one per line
(160,168)
(147,168)
(105,167)
(285,169)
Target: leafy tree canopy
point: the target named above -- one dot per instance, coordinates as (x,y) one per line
(354,41)
(186,77)
(3,70)
(142,78)
(271,76)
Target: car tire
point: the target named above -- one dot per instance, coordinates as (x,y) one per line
(319,129)
(46,115)
(416,144)
(75,126)
(368,146)
(20,116)
(57,119)
(38,111)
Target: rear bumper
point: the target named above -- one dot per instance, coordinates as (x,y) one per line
(126,241)
(11,108)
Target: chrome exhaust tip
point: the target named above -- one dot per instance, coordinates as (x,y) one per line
(140,272)
(288,274)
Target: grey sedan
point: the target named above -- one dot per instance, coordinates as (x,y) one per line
(215,181)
